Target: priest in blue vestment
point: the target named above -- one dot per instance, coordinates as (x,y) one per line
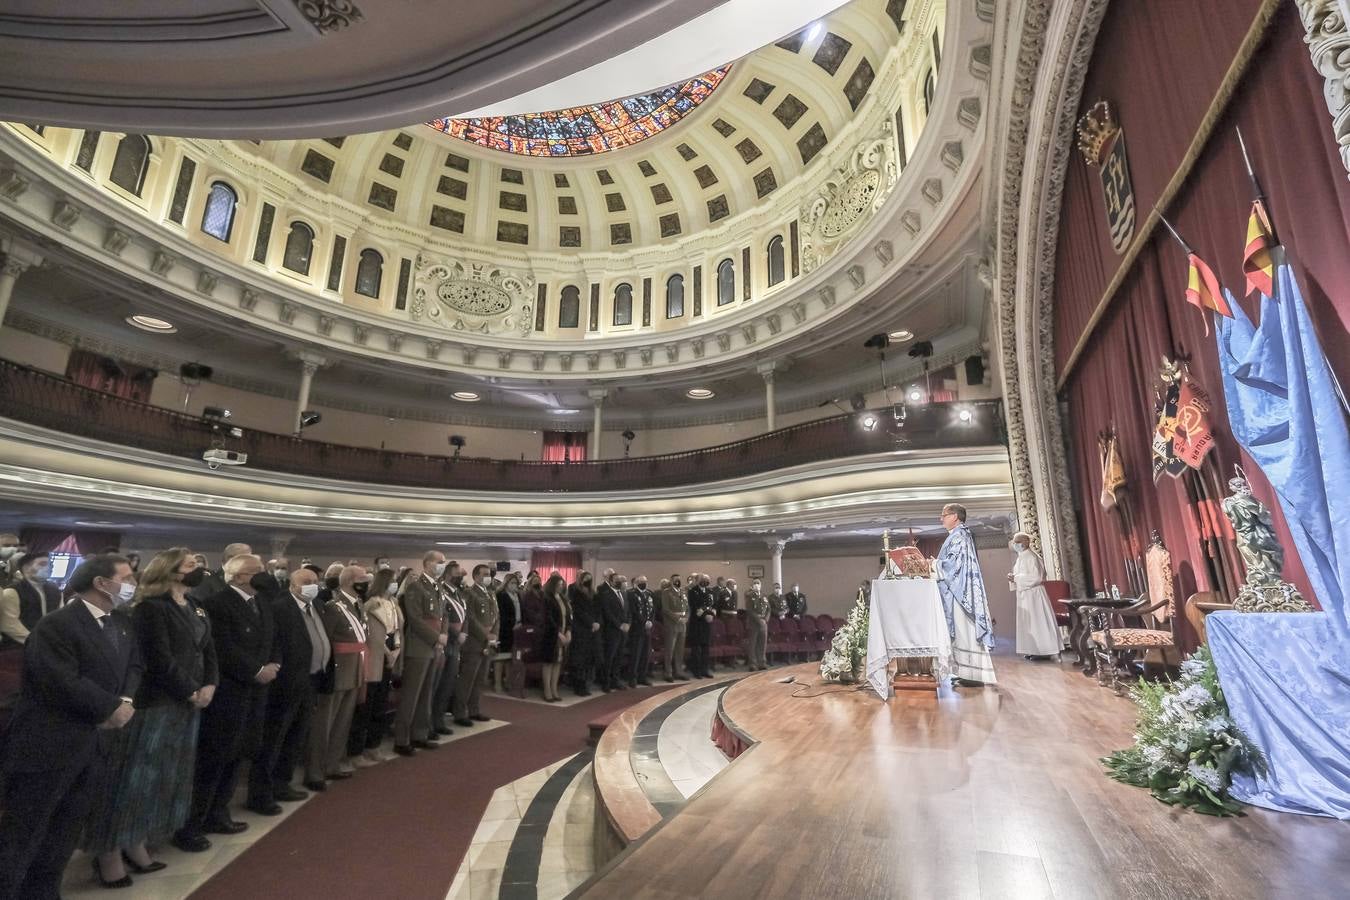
(961,585)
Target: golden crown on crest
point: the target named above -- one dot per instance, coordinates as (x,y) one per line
(1095,130)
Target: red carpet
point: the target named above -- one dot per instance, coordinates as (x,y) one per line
(402,828)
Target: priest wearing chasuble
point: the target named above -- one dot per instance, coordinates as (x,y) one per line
(961,586)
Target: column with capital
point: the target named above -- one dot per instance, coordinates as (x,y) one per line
(776,567)
(310,363)
(16,260)
(597,396)
(766,371)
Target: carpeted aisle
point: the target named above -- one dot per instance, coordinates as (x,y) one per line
(402,828)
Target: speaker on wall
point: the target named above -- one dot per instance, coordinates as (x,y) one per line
(975,369)
(503,565)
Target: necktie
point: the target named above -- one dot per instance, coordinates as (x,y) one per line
(109,631)
(318,640)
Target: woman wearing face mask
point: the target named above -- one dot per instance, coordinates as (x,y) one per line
(557,634)
(509,615)
(584,651)
(1037,633)
(148,791)
(384,642)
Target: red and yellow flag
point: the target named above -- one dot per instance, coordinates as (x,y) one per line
(1257,264)
(1203,291)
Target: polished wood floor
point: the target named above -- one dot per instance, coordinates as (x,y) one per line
(991,793)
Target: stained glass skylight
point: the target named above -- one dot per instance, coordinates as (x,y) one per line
(586,130)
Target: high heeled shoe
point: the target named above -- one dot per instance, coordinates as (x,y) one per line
(123,882)
(155,865)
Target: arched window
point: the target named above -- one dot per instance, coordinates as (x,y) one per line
(775,260)
(369,271)
(929,92)
(674,296)
(130,163)
(726,282)
(299,248)
(569,307)
(218,215)
(623,304)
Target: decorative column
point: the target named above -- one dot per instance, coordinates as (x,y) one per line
(309,364)
(597,396)
(776,567)
(766,371)
(17,260)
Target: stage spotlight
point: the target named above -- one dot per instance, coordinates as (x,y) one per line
(216,412)
(858,402)
(627,436)
(964,415)
(310,417)
(879,341)
(921,350)
(869,422)
(457,441)
(914,395)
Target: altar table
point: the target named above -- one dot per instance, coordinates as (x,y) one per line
(906,620)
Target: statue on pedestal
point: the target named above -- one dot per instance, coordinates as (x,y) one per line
(1264,589)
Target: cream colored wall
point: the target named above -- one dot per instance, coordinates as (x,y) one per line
(31,350)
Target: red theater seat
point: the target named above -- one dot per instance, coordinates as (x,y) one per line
(1058,592)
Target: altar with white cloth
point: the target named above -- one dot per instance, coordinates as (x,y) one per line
(905,620)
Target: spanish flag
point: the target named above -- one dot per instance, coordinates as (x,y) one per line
(1257,264)
(1203,291)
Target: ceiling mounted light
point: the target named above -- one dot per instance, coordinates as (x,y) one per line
(84,524)
(814,31)
(869,422)
(151,324)
(563,412)
(699,394)
(915,395)
(466,396)
(903,334)
(964,415)
(700,543)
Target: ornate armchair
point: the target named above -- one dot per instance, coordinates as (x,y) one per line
(1199,605)
(1118,644)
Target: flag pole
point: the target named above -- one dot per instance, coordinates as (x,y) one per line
(1259,195)
(1179,239)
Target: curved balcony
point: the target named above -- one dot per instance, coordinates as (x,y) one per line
(37,398)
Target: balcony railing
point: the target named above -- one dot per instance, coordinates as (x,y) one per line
(37,398)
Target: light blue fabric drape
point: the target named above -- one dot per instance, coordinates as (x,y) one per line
(962,583)
(1286,677)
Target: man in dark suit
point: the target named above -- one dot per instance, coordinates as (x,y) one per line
(231,727)
(215,581)
(304,651)
(796,602)
(614,630)
(37,596)
(81,669)
(699,637)
(641,611)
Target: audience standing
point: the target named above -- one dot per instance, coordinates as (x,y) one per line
(614,630)
(557,634)
(675,622)
(423,651)
(584,650)
(342,621)
(384,642)
(757,627)
(509,615)
(641,612)
(477,649)
(699,638)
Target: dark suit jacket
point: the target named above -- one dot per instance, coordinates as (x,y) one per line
(641,608)
(506,620)
(213,582)
(700,598)
(612,612)
(176,662)
(243,638)
(31,601)
(796,604)
(73,680)
(292,648)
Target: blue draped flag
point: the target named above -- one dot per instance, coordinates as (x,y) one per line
(962,584)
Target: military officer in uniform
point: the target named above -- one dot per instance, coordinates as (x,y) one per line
(701,613)
(777,602)
(675,619)
(796,602)
(725,599)
(424,638)
(641,610)
(757,630)
(480,643)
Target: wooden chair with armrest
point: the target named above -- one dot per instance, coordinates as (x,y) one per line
(1199,605)
(1117,643)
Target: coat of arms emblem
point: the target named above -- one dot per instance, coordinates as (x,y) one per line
(1102,143)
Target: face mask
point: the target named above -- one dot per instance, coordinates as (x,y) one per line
(7,552)
(125,591)
(309,591)
(676,582)
(755,585)
(360,588)
(193,578)
(331,583)
(1018,547)
(642,585)
(438,569)
(586,580)
(385,567)
(280,574)
(796,589)
(485,580)
(261,582)
(392,590)
(42,573)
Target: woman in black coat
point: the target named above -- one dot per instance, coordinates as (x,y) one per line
(557,634)
(583,654)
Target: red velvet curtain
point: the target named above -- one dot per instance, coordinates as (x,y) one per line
(103,373)
(564,446)
(1160,64)
(566,563)
(52,540)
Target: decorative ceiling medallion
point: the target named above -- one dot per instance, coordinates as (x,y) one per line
(329,15)
(473,296)
(850,196)
(587,130)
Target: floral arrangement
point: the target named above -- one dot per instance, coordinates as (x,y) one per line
(844,660)
(1187,747)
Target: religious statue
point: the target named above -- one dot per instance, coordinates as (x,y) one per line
(1264,589)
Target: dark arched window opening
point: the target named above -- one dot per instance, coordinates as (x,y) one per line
(929,92)
(726,282)
(569,307)
(218,215)
(369,273)
(623,304)
(674,296)
(299,248)
(776,273)
(130,163)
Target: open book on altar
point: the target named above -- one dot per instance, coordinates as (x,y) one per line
(907,562)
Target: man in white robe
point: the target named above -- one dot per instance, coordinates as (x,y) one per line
(1037,631)
(961,586)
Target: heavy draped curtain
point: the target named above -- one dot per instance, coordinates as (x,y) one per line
(1160,65)
(566,563)
(103,373)
(564,446)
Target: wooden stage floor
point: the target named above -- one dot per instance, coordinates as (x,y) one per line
(991,793)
